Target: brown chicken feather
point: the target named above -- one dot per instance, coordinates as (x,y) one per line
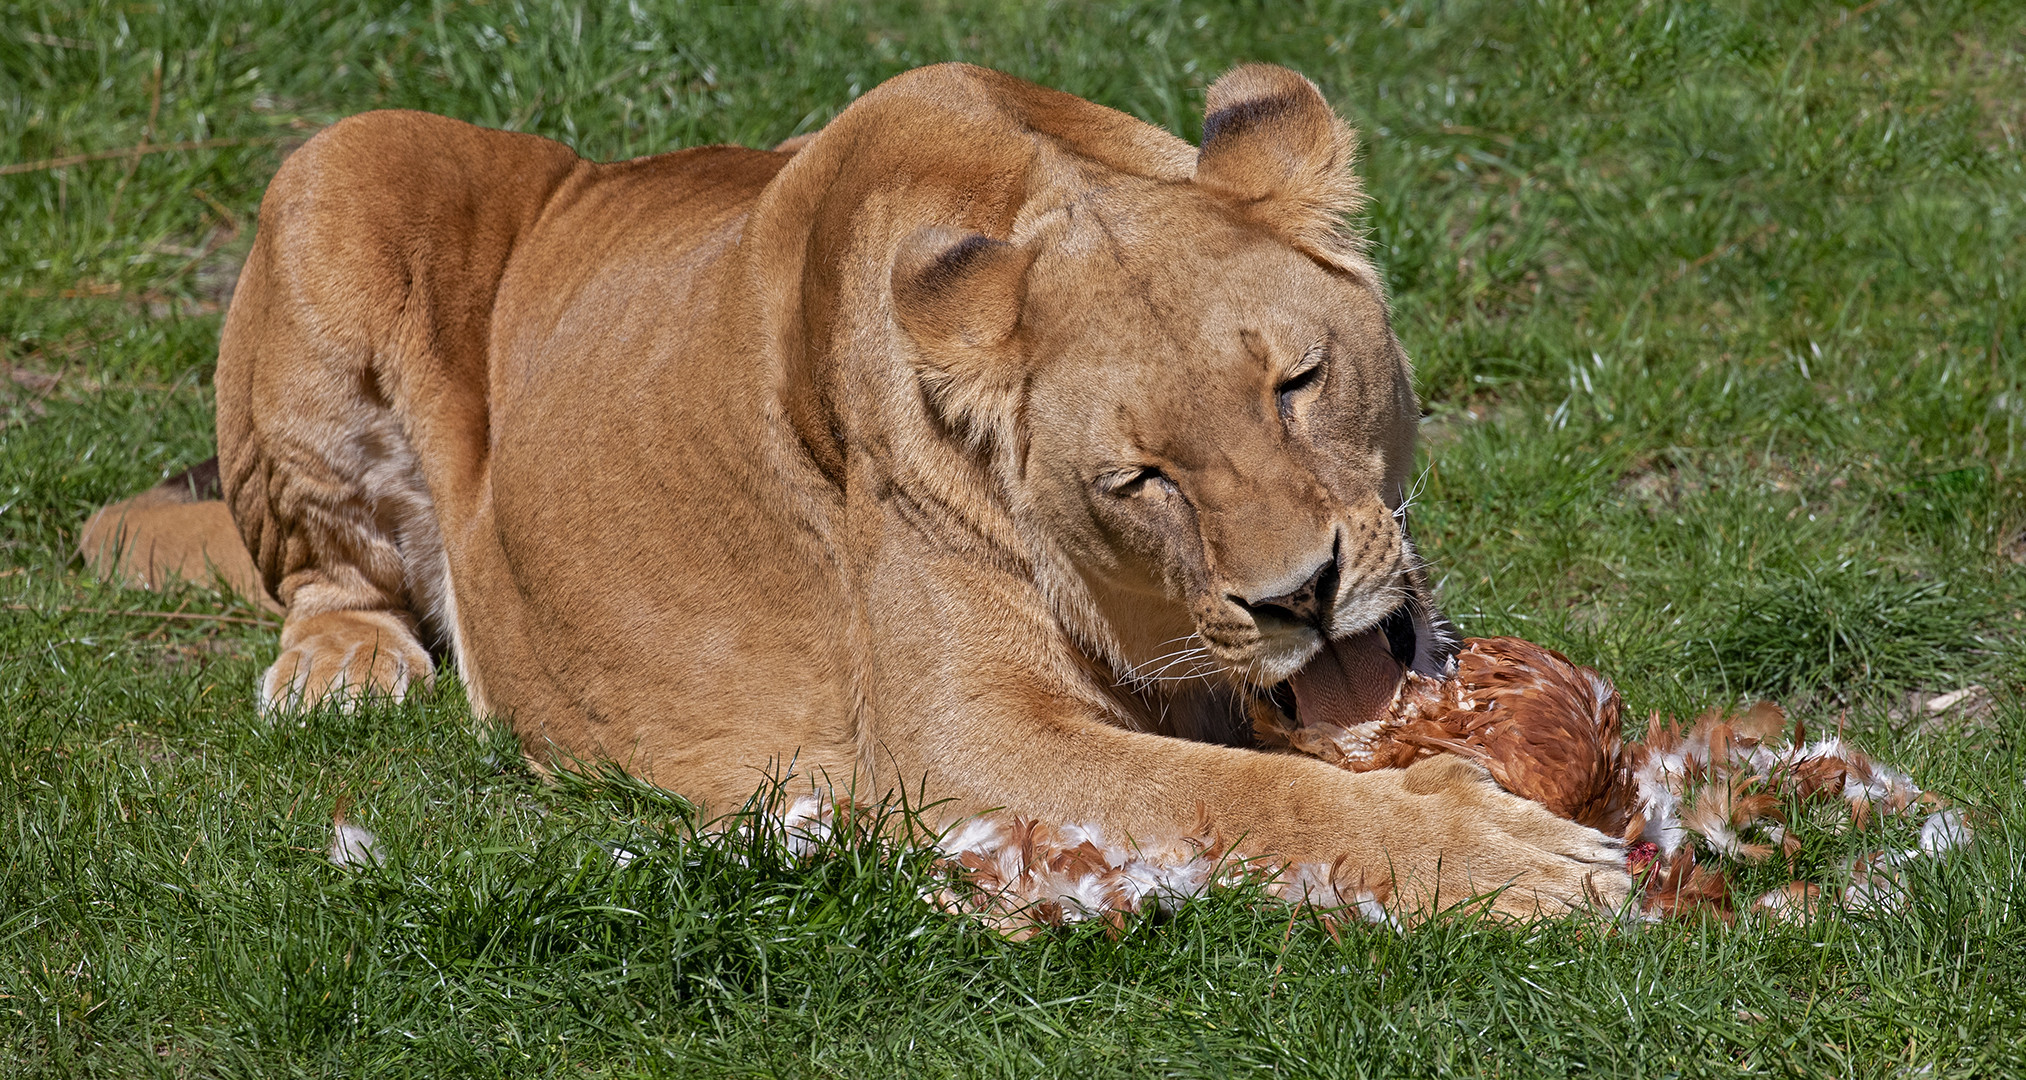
(1547,729)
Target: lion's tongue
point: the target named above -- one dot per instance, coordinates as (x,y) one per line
(1348,683)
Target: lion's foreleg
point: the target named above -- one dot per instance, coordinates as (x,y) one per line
(986,712)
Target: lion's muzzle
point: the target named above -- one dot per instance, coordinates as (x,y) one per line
(1310,604)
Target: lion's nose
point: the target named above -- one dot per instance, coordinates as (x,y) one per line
(1310,604)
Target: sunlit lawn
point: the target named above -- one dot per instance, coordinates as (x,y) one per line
(1718,318)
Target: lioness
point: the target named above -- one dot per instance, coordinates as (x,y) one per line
(990,444)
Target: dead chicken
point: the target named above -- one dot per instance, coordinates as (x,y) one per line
(1549,730)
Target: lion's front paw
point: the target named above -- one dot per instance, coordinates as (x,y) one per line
(1492,841)
(344,656)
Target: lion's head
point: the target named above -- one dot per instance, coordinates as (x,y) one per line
(1194,398)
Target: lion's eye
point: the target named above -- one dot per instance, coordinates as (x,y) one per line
(1145,480)
(1303,380)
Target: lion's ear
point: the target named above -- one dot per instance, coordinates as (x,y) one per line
(959,290)
(958,296)
(1276,150)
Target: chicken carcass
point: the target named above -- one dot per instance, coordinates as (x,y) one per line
(1684,800)
(1546,729)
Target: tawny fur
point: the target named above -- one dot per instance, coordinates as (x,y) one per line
(714,461)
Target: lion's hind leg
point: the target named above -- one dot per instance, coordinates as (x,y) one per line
(333,502)
(344,656)
(343,524)
(351,380)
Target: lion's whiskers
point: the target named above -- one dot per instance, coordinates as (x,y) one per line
(1157,669)
(1409,497)
(1198,657)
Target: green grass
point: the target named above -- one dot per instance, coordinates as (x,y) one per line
(1718,317)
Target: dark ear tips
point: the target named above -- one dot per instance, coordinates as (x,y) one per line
(1274,148)
(1264,127)
(957,296)
(1238,118)
(958,289)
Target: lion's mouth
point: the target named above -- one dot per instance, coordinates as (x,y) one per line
(1352,680)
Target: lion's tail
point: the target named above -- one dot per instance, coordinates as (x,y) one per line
(180,528)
